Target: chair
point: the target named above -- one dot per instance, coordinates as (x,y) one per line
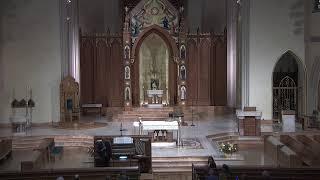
(69,99)
(55,151)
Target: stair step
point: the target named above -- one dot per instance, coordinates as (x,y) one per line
(172,170)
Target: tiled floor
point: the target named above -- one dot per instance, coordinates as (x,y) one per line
(207,124)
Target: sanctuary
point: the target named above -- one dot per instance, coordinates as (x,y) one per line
(159,89)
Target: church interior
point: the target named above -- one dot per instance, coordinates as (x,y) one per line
(159,89)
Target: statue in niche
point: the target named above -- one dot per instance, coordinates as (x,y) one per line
(154,84)
(183,72)
(135,29)
(165,23)
(183,93)
(127,94)
(183,52)
(127,72)
(126,52)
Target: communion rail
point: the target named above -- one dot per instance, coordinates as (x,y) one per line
(252,173)
(102,173)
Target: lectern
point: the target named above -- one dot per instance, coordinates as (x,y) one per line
(249,121)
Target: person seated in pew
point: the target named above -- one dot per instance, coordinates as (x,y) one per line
(225,172)
(211,162)
(212,174)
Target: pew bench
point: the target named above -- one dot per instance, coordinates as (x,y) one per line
(90,107)
(5,148)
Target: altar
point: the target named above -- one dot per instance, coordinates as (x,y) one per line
(155,98)
(161,130)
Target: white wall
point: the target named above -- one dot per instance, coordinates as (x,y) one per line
(274,28)
(312,34)
(30,56)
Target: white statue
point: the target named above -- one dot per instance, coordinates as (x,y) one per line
(127,94)
(183,72)
(154,85)
(127,72)
(183,93)
(126,52)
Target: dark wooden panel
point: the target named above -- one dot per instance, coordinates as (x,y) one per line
(101,90)
(116,83)
(221,75)
(192,72)
(212,72)
(204,72)
(86,70)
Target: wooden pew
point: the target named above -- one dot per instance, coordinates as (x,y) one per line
(303,152)
(317,138)
(313,145)
(5,148)
(288,158)
(199,172)
(272,147)
(68,173)
(33,161)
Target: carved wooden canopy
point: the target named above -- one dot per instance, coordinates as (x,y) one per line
(133,3)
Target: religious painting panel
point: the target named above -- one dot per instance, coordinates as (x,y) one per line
(150,12)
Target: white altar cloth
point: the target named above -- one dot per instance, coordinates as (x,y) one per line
(241,114)
(151,93)
(158,125)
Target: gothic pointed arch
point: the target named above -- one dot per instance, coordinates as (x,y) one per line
(173,55)
(288,82)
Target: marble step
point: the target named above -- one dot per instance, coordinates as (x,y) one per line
(213,136)
(74,141)
(26,142)
(176,164)
(172,170)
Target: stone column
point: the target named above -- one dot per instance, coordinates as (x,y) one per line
(69,25)
(232,24)
(244,25)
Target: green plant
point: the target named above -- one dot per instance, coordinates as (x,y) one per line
(228,148)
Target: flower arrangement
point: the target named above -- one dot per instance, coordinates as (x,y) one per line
(228,148)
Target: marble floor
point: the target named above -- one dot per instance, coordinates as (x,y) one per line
(207,124)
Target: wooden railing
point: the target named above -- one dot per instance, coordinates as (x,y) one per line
(200,172)
(68,174)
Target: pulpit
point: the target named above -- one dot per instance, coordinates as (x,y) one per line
(249,121)
(155,98)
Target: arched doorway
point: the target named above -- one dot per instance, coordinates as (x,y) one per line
(288,83)
(153,67)
(157,36)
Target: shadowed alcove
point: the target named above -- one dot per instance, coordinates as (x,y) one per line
(154,66)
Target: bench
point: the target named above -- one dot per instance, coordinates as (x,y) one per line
(86,107)
(5,148)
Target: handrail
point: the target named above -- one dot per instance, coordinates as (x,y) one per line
(70,172)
